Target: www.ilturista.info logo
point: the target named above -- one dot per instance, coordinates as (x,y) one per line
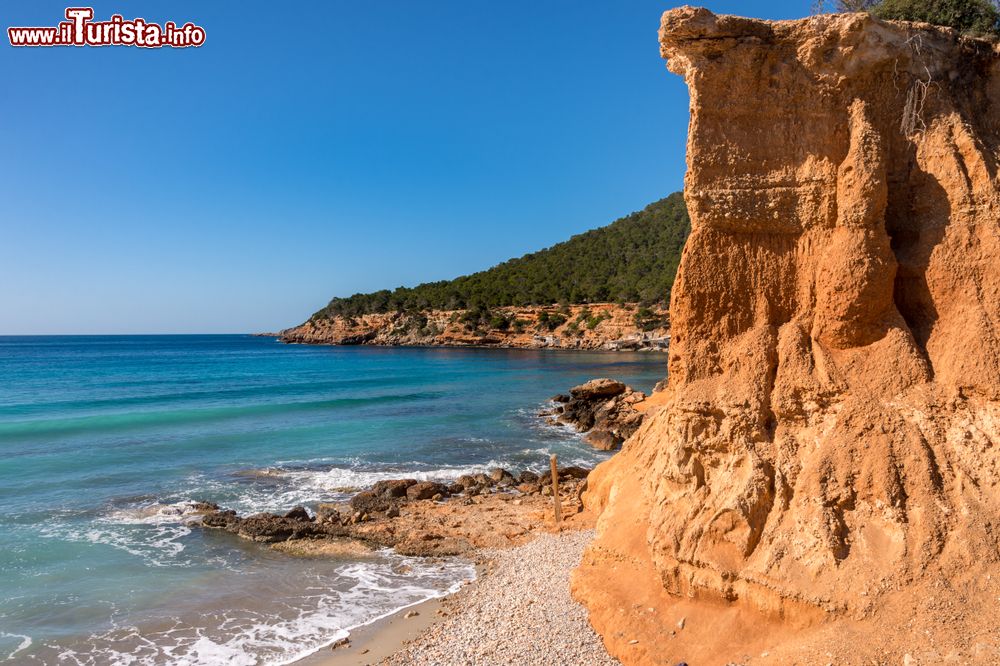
(81,30)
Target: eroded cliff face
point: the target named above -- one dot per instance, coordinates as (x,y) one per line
(827,459)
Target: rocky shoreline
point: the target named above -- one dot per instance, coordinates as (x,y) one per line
(502,519)
(432,518)
(593,327)
(416,518)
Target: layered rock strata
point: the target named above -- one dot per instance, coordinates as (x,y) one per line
(825,465)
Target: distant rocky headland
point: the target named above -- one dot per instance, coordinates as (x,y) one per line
(608,288)
(607,326)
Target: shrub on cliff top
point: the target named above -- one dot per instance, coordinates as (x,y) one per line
(979,18)
(971,17)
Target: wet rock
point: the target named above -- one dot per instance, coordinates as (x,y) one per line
(560,397)
(527,476)
(298,513)
(607,406)
(425,490)
(367,501)
(269,528)
(393,487)
(221,519)
(501,477)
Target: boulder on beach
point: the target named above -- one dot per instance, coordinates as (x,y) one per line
(426,490)
(393,487)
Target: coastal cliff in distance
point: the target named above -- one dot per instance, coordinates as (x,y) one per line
(607,326)
(822,482)
(603,289)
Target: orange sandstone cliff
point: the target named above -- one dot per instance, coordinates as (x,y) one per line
(821,482)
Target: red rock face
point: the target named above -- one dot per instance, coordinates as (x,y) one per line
(829,448)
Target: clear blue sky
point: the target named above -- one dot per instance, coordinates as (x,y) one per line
(237,187)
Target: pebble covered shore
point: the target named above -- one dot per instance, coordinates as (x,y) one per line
(519,612)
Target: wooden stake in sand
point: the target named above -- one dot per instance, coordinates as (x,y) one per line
(555,487)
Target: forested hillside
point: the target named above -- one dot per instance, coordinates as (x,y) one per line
(633,259)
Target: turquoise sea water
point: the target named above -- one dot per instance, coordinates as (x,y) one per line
(104,441)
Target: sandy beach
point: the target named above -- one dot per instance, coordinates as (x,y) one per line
(519,611)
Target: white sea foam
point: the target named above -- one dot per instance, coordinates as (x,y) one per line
(25,642)
(359,593)
(151,531)
(277,489)
(276,636)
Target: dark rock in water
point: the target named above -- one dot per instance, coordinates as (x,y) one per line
(579,414)
(393,487)
(604,405)
(266,527)
(221,519)
(298,513)
(527,476)
(204,507)
(602,440)
(561,397)
(368,502)
(425,490)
